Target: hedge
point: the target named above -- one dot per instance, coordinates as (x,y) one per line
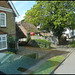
(40,43)
(72,44)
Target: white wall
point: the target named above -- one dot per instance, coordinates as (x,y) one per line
(70,33)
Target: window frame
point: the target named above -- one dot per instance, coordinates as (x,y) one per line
(3,35)
(4,19)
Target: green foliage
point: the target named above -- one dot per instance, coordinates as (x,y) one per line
(72,44)
(11,44)
(40,43)
(28,38)
(52,15)
(10,39)
(9,52)
(49,65)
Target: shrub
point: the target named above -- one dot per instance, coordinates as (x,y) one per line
(40,43)
(11,44)
(72,44)
(28,39)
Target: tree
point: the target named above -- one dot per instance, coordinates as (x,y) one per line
(72,23)
(52,15)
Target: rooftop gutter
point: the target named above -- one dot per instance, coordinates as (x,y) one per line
(14,9)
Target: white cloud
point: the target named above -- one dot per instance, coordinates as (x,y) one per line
(20,18)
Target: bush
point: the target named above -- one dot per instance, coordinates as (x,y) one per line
(11,44)
(72,44)
(40,43)
(28,39)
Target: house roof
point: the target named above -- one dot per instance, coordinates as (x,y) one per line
(23,30)
(14,9)
(29,27)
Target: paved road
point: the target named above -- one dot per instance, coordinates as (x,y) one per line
(68,66)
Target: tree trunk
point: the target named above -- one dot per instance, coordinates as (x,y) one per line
(62,40)
(59,40)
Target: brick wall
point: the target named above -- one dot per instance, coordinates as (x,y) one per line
(10,20)
(4,4)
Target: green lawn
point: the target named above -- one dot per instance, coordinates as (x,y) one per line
(9,52)
(49,65)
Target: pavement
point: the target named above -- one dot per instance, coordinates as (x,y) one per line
(68,66)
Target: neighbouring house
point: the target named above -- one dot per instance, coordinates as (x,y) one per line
(29,27)
(68,33)
(33,29)
(21,32)
(24,28)
(7,23)
(45,33)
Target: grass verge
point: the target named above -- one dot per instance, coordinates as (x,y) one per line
(49,65)
(9,52)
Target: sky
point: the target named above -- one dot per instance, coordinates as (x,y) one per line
(22,7)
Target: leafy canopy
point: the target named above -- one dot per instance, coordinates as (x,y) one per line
(52,15)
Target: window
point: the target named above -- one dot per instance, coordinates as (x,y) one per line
(3,42)
(2,19)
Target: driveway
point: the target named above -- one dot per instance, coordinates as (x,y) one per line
(56,50)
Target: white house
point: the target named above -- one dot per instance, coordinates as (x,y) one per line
(68,33)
